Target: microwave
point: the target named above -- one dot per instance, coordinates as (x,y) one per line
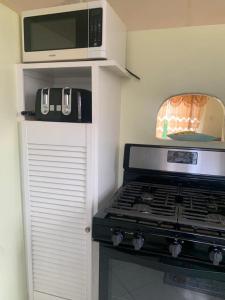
(81,31)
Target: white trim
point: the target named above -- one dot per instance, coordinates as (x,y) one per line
(89,203)
(26,209)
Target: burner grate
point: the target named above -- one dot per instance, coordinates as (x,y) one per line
(203,208)
(148,201)
(170,203)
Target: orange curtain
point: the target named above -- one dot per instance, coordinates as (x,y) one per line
(180,113)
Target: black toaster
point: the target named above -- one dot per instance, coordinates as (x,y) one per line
(64,105)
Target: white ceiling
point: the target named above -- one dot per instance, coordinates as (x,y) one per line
(148,14)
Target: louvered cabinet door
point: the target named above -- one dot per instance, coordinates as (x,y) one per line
(56,164)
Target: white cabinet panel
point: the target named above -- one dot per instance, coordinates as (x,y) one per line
(57,209)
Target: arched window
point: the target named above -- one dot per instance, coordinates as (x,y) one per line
(190,113)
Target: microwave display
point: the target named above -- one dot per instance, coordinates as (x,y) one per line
(68,30)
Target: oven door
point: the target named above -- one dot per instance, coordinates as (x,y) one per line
(129,275)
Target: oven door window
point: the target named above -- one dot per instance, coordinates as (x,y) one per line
(56,31)
(125,276)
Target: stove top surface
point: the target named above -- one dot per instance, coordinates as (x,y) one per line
(177,204)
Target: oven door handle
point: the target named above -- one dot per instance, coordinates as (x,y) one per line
(191,269)
(168,264)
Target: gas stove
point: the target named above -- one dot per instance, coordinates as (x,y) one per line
(172,204)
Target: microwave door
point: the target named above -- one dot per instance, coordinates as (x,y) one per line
(53,32)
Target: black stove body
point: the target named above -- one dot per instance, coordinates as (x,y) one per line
(171,206)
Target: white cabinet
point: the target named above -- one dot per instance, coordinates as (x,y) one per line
(57,207)
(68,169)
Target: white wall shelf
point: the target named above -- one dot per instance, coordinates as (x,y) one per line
(67,66)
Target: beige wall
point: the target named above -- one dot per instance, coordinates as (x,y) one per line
(169,62)
(12,283)
(212,121)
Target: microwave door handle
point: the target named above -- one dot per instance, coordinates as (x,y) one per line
(79,107)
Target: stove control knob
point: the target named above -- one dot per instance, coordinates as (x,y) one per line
(138,242)
(175,249)
(216,256)
(117,238)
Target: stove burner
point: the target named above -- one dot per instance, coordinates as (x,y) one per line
(145,197)
(143,208)
(217,218)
